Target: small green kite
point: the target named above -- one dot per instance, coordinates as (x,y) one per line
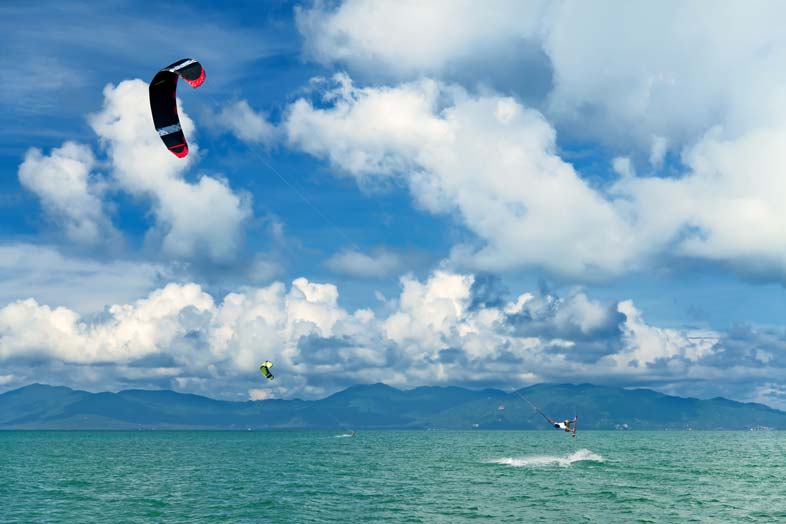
(265,369)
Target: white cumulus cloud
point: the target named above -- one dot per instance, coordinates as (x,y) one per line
(245,123)
(406,38)
(378,264)
(69,192)
(487,158)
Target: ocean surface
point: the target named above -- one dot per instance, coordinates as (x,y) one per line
(391,476)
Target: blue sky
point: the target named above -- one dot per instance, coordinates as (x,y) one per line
(453,193)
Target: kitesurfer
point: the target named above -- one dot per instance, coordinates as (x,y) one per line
(565,425)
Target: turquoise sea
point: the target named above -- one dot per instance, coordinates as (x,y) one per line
(391,476)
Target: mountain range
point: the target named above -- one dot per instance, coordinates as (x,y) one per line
(378,406)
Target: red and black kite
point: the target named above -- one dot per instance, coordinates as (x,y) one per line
(163,90)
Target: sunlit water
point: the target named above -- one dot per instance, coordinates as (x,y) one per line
(392,476)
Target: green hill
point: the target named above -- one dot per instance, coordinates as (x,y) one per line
(381,407)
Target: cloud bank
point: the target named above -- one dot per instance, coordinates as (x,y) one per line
(442,330)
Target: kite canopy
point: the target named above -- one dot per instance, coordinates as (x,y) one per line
(265,369)
(163,104)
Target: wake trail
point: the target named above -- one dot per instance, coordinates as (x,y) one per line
(582,455)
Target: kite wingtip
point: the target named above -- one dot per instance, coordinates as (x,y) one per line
(197,81)
(180,154)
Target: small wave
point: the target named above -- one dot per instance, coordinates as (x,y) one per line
(582,455)
(345,435)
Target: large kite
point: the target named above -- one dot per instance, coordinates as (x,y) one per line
(163,104)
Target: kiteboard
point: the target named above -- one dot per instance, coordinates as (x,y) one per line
(575,425)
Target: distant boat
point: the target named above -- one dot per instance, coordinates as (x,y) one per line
(501,408)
